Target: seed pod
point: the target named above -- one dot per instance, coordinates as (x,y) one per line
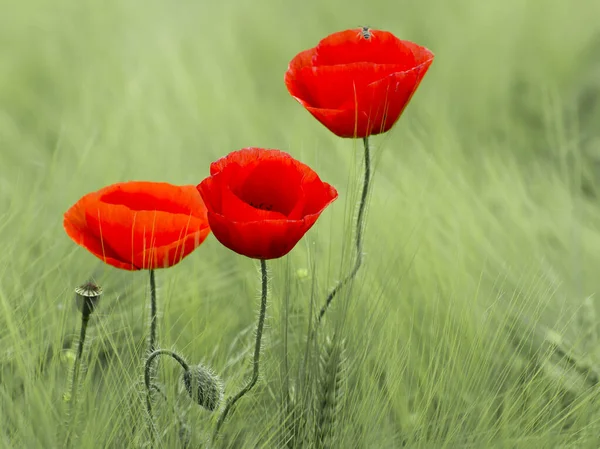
(204,387)
(88,296)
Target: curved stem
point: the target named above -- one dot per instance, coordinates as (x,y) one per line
(359,233)
(153,313)
(256,361)
(147,379)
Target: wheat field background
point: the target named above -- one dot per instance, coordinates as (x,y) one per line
(473,322)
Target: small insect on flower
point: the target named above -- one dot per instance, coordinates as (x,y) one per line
(366,33)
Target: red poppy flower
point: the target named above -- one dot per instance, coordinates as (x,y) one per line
(357,82)
(261,202)
(139,225)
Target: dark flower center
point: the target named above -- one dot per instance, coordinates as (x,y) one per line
(272,186)
(262,206)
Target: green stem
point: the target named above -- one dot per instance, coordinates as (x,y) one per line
(151,352)
(256,361)
(148,372)
(86,311)
(85,318)
(358,230)
(153,313)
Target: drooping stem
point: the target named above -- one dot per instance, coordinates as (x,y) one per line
(256,361)
(148,373)
(153,313)
(359,229)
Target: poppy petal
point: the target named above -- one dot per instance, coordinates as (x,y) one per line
(329,87)
(269,239)
(131,232)
(294,74)
(246,182)
(238,210)
(75,227)
(342,122)
(358,82)
(139,225)
(382,47)
(173,253)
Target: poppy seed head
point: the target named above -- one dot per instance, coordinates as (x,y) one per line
(204,387)
(88,296)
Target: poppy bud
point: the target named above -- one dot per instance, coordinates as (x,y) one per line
(88,296)
(203,386)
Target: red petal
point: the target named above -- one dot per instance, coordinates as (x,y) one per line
(268,239)
(272,176)
(272,185)
(357,86)
(131,233)
(238,210)
(145,196)
(210,190)
(293,76)
(75,227)
(141,224)
(246,157)
(347,47)
(329,87)
(379,103)
(318,195)
(171,254)
(342,122)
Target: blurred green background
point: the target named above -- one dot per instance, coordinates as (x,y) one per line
(473,320)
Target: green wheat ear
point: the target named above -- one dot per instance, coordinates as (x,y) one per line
(204,386)
(331,390)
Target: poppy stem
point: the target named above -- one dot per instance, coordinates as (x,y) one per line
(256,362)
(151,353)
(85,318)
(359,232)
(153,313)
(86,311)
(148,373)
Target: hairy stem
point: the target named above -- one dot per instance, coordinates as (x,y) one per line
(151,353)
(148,372)
(358,232)
(153,313)
(256,361)
(148,381)
(85,318)
(86,311)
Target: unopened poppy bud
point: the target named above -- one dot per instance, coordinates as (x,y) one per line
(203,386)
(88,296)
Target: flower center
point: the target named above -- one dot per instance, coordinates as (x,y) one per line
(261,205)
(272,186)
